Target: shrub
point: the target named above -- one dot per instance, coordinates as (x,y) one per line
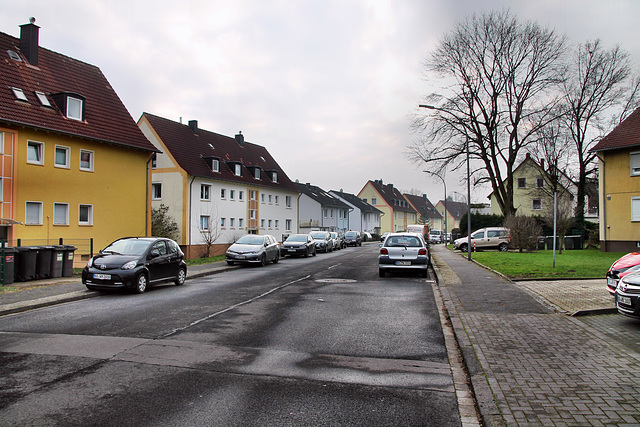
(524,231)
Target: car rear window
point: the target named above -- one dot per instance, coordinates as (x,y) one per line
(404,241)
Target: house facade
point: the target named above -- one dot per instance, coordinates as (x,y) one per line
(320,210)
(397,213)
(362,216)
(74,164)
(619,183)
(218,188)
(427,213)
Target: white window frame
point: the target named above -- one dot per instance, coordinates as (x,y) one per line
(19,94)
(252,214)
(374,201)
(634,160)
(215,165)
(26,213)
(253,194)
(223,193)
(1,142)
(277,224)
(67,157)
(42,97)
(222,220)
(262,222)
(232,194)
(635,209)
(89,209)
(77,104)
(277,199)
(156,191)
(205,192)
(91,160)
(257,173)
(287,224)
(240,222)
(238,169)
(204,222)
(241,195)
(39,146)
(61,214)
(275,177)
(287,201)
(232,222)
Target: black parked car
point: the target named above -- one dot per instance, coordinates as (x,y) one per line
(298,244)
(133,263)
(353,238)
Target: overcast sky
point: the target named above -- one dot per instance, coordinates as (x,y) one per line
(326,86)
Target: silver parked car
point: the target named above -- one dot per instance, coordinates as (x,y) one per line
(337,240)
(254,249)
(324,242)
(486,238)
(404,251)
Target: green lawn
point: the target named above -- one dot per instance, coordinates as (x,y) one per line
(199,261)
(587,263)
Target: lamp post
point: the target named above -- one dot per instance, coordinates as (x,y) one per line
(431,107)
(445,203)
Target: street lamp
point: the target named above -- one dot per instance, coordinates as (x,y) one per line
(445,203)
(431,107)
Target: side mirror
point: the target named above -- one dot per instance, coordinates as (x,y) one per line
(154,253)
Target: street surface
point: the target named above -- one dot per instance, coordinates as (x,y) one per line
(308,341)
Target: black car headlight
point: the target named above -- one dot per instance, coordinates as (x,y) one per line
(130,265)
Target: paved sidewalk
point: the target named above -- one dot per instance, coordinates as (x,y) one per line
(529,362)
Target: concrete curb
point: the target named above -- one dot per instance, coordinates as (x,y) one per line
(23,306)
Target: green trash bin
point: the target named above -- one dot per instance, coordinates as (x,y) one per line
(57,259)
(67,263)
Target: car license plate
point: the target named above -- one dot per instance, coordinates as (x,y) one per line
(612,282)
(240,257)
(102,276)
(624,300)
(291,250)
(403,262)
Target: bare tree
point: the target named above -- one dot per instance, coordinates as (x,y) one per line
(595,85)
(210,230)
(499,78)
(524,231)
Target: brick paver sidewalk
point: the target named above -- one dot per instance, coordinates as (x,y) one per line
(529,364)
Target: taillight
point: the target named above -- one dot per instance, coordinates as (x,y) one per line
(422,251)
(384,251)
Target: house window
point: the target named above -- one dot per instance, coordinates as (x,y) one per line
(287,201)
(324,213)
(232,194)
(522,182)
(262,197)
(85,215)
(43,99)
(277,200)
(241,195)
(270,198)
(223,193)
(287,224)
(74,108)
(270,222)
(374,201)
(205,192)
(33,213)
(539,182)
(215,165)
(275,177)
(257,173)
(1,191)
(238,170)
(204,222)
(262,223)
(60,214)
(252,214)
(232,222)
(277,223)
(1,142)
(156,191)
(240,222)
(35,152)
(86,160)
(635,163)
(19,94)
(61,159)
(635,209)
(536,204)
(252,195)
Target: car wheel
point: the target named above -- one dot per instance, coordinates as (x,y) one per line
(503,247)
(181,277)
(277,258)
(314,252)
(230,263)
(381,272)
(141,283)
(306,253)
(263,260)
(463,248)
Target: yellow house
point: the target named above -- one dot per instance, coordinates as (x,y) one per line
(619,175)
(397,212)
(75,166)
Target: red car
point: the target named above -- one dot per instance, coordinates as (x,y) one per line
(630,263)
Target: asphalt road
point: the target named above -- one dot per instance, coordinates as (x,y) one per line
(309,341)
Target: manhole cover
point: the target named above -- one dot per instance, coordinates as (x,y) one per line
(336,280)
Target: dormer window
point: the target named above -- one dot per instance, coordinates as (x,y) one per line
(74,108)
(238,169)
(19,94)
(212,162)
(44,101)
(274,176)
(256,173)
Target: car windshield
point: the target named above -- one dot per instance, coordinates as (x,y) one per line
(318,235)
(128,247)
(403,241)
(297,238)
(251,240)
(350,234)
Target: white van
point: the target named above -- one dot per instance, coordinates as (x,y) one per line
(435,236)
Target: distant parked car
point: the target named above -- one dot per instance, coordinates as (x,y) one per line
(384,236)
(337,242)
(324,242)
(486,238)
(298,244)
(627,295)
(254,249)
(630,263)
(353,238)
(133,263)
(404,251)
(435,236)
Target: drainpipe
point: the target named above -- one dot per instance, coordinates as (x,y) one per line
(602,206)
(189,229)
(147,201)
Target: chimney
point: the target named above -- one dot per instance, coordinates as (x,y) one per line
(240,139)
(424,197)
(29,41)
(193,124)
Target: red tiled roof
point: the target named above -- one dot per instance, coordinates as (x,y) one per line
(423,206)
(392,196)
(106,117)
(626,134)
(188,149)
